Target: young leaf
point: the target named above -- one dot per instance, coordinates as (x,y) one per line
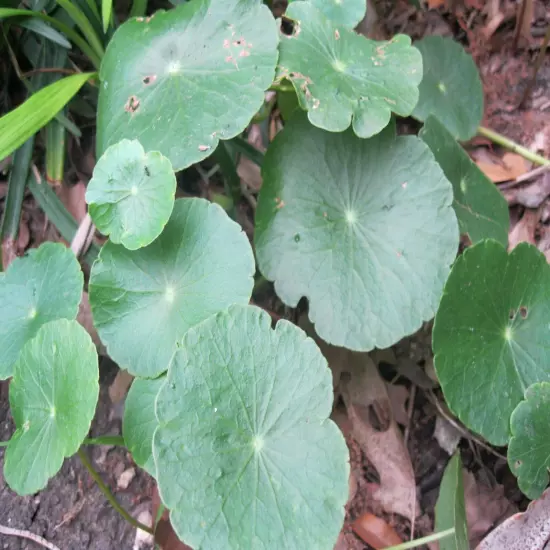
(53,396)
(184,79)
(490,334)
(450,510)
(131,194)
(451,89)
(140,421)
(363,228)
(342,78)
(529,448)
(43,285)
(348,14)
(106,11)
(481,209)
(24,121)
(143,301)
(244,440)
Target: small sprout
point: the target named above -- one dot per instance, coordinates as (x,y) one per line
(132,105)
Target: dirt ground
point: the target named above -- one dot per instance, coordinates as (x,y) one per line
(73,514)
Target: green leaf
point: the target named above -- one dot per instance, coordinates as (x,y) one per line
(43,285)
(244,441)
(186,78)
(106,12)
(53,396)
(348,14)
(23,122)
(481,209)
(490,336)
(140,421)
(450,511)
(287,102)
(343,78)
(364,229)
(529,448)
(42,28)
(144,301)
(451,89)
(131,194)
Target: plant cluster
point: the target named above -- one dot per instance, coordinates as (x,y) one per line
(228,414)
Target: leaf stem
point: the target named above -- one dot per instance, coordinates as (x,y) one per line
(139,8)
(423,540)
(14,200)
(109,496)
(503,141)
(106,440)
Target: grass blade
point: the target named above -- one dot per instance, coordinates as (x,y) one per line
(41,27)
(106,11)
(14,201)
(65,29)
(57,213)
(24,121)
(55,151)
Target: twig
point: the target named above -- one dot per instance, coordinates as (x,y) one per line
(465,433)
(109,496)
(532,174)
(503,141)
(538,63)
(410,408)
(83,237)
(27,74)
(8,531)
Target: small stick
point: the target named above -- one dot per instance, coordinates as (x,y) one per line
(532,174)
(503,141)
(410,409)
(27,535)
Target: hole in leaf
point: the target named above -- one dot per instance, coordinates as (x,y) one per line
(149,79)
(288,27)
(146,169)
(523,312)
(518,464)
(512,314)
(132,105)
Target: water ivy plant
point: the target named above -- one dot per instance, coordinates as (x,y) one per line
(229,414)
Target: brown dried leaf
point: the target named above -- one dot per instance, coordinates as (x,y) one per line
(529,530)
(398,396)
(85,318)
(530,196)
(120,386)
(376,431)
(524,230)
(73,197)
(375,531)
(509,167)
(485,507)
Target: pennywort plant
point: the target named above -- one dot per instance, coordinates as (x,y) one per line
(228,414)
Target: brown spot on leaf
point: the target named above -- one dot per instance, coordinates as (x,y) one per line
(229,59)
(226,43)
(132,105)
(149,79)
(404,185)
(337,34)
(523,312)
(204,147)
(279,203)
(244,53)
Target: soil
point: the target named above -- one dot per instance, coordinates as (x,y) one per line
(71,512)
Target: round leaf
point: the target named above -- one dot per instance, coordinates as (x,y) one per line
(143,301)
(131,194)
(140,421)
(348,13)
(490,336)
(43,285)
(481,209)
(343,78)
(451,89)
(184,79)
(363,228)
(246,454)
(529,448)
(53,396)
